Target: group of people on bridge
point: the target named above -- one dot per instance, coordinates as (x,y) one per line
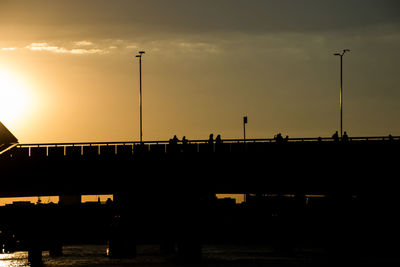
(277,138)
(345,137)
(175,140)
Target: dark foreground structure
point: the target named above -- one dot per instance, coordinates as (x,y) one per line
(341,197)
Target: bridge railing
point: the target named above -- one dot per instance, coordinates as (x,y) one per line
(129,148)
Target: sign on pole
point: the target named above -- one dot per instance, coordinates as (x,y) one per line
(244,128)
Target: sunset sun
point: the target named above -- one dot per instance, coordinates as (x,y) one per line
(14,97)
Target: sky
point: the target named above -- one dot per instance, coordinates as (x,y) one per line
(68,71)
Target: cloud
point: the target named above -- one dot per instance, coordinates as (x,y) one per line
(45,47)
(114,18)
(192,47)
(62,50)
(132,46)
(8,48)
(83,43)
(107,46)
(102,18)
(87,51)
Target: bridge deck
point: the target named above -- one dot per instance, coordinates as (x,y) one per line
(308,165)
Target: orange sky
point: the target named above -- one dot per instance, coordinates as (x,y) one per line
(207,64)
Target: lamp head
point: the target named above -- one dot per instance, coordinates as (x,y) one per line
(346,51)
(141,52)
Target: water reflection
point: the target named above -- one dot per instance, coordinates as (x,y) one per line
(149,255)
(19,259)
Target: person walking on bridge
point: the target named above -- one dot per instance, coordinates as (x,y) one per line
(211,139)
(345,137)
(335,137)
(175,140)
(218,140)
(279,138)
(184,141)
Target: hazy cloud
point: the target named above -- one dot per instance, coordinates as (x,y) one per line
(45,47)
(132,46)
(191,47)
(87,51)
(183,46)
(83,43)
(8,48)
(121,18)
(62,50)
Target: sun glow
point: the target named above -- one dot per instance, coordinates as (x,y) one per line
(14,98)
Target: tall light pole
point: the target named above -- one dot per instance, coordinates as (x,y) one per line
(341,88)
(140,92)
(244,128)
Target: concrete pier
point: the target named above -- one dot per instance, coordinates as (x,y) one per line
(35,255)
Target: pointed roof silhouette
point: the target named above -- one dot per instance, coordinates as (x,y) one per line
(7,139)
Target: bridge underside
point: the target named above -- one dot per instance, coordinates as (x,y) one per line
(295,168)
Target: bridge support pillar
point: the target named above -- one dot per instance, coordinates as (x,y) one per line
(167,247)
(55,249)
(189,251)
(121,247)
(70,199)
(122,239)
(340,243)
(35,255)
(190,227)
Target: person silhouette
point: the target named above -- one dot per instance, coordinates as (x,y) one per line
(184,144)
(173,144)
(175,140)
(211,139)
(345,137)
(335,136)
(279,138)
(218,144)
(184,141)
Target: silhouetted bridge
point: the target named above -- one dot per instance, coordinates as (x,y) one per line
(298,166)
(164,192)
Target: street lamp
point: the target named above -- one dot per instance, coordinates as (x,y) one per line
(244,128)
(140,91)
(341,88)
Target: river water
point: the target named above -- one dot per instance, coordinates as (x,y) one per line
(213,255)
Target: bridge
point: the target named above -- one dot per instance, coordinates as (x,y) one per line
(295,166)
(163,191)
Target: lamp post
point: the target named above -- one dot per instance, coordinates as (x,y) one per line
(244,128)
(341,88)
(140,92)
